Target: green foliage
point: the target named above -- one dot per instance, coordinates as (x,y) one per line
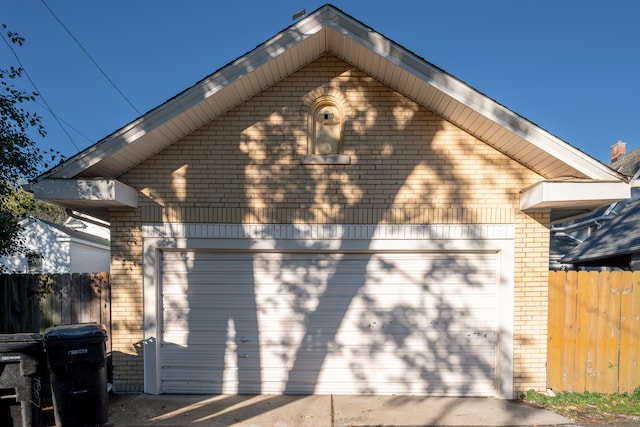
(21,204)
(20,157)
(9,241)
(589,405)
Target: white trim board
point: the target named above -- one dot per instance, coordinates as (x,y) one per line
(329,231)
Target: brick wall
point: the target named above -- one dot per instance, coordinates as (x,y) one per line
(126,301)
(408,166)
(530,302)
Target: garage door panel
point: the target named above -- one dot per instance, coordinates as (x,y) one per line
(292,326)
(225,288)
(387,341)
(294,331)
(463,388)
(254,384)
(271,366)
(271,341)
(329,323)
(381,376)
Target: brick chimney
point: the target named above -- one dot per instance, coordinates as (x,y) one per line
(618,149)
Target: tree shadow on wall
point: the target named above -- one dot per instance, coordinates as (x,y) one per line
(330,194)
(403,165)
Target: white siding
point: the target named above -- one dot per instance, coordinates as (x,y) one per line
(72,249)
(44,240)
(88,258)
(421,323)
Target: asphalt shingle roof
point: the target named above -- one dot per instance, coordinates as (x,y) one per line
(628,163)
(620,236)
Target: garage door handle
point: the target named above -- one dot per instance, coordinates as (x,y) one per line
(245,356)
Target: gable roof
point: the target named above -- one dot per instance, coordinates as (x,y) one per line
(329,30)
(91,176)
(63,231)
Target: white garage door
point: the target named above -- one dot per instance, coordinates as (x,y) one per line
(329,323)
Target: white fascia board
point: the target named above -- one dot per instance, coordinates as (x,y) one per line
(469,97)
(108,193)
(547,195)
(329,17)
(184,101)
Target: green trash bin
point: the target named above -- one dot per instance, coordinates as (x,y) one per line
(21,376)
(76,356)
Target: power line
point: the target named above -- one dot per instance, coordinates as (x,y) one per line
(69,125)
(91,58)
(44,101)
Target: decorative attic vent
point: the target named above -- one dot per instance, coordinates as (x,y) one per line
(326,109)
(327,131)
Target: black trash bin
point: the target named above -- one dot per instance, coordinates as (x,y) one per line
(76,355)
(21,377)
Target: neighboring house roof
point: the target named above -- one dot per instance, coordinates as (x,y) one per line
(328,30)
(71,233)
(561,245)
(616,238)
(55,248)
(628,164)
(573,242)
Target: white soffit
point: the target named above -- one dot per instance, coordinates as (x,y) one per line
(86,193)
(329,30)
(547,195)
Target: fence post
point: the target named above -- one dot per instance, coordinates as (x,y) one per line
(602,331)
(555,346)
(569,341)
(629,372)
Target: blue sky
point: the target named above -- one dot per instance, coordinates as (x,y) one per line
(570,66)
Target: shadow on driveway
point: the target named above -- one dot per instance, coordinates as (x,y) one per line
(322,410)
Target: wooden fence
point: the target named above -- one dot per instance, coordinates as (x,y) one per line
(594,331)
(33,302)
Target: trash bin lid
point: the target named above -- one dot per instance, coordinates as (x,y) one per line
(79,331)
(20,342)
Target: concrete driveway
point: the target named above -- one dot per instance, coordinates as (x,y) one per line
(323,410)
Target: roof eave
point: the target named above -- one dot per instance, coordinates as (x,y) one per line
(191,97)
(95,197)
(227,88)
(566,198)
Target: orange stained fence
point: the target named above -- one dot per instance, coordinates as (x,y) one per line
(594,331)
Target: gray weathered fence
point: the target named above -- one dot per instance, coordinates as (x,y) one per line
(34,302)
